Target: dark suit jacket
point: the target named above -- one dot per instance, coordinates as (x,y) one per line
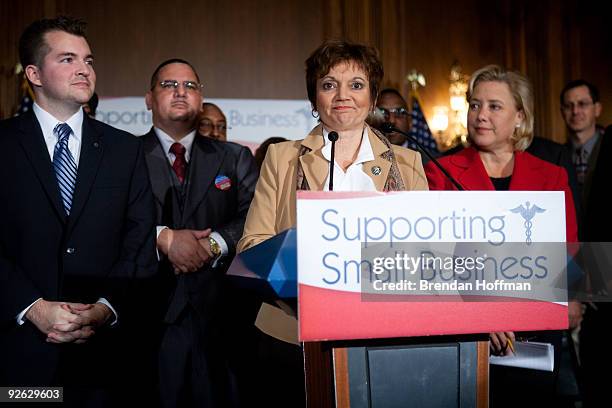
(584,192)
(596,324)
(530,173)
(106,243)
(598,227)
(205,206)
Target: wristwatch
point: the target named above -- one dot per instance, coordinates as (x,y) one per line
(214,247)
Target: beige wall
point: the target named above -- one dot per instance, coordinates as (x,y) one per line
(256,49)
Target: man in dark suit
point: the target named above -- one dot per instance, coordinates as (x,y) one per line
(580,108)
(597,236)
(203,190)
(76,222)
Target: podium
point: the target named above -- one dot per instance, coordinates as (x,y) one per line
(437,371)
(432,371)
(415,353)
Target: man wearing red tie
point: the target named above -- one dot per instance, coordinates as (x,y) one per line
(203,190)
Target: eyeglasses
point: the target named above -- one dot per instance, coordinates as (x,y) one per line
(400,112)
(208,125)
(581,105)
(190,86)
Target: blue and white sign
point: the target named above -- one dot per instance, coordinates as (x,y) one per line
(331,232)
(250,121)
(415,263)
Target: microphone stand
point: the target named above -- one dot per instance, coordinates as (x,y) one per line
(389,128)
(332,136)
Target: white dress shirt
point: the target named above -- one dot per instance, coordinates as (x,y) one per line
(354,179)
(167,142)
(187,141)
(47,124)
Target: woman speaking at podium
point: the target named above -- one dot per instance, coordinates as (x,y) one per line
(342,81)
(500,127)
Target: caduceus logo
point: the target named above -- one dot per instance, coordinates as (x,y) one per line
(528,211)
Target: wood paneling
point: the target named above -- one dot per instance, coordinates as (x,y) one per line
(256,49)
(482,377)
(341,377)
(318,369)
(241,49)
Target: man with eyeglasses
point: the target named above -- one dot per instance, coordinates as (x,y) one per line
(203,189)
(213,123)
(393,108)
(580,108)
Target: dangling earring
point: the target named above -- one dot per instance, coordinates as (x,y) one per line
(315,114)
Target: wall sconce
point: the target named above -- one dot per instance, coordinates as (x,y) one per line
(450,125)
(439,121)
(459,106)
(457,102)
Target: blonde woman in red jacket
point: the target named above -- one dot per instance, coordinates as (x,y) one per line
(500,125)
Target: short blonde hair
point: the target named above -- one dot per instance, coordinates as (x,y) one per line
(522,92)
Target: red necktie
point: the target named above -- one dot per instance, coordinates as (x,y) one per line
(179,162)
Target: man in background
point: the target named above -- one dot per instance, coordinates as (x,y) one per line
(580,108)
(591,154)
(203,189)
(212,122)
(394,110)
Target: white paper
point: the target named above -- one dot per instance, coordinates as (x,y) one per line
(532,355)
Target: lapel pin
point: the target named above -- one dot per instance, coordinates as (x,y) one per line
(223,182)
(96,145)
(376,170)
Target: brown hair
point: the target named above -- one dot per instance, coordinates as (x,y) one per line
(522,93)
(333,52)
(32,45)
(593,91)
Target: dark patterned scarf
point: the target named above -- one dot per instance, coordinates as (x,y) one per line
(394,179)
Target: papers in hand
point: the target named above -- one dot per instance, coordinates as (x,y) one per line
(535,356)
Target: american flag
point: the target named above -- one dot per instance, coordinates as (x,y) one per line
(24,106)
(27,99)
(420,130)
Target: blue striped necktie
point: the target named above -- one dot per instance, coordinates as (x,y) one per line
(64,165)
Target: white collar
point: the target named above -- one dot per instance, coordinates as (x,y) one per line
(365,149)
(48,121)
(167,141)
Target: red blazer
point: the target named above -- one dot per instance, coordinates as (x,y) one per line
(530,174)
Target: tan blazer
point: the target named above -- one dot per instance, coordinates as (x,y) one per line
(273,209)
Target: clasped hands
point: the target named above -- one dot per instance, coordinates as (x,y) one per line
(187,250)
(66,322)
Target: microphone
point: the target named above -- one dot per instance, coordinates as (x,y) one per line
(332,136)
(389,128)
